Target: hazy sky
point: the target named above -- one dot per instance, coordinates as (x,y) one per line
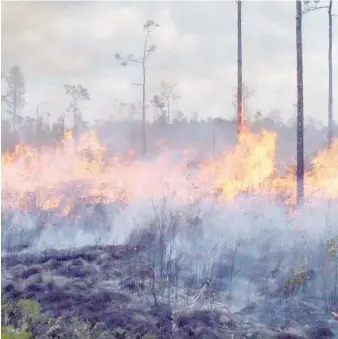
(59,43)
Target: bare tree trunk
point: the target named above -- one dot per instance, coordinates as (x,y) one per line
(330,99)
(214,141)
(144,140)
(37,123)
(75,129)
(240,118)
(300,106)
(144,136)
(14,120)
(14,110)
(149,26)
(168,111)
(62,126)
(154,114)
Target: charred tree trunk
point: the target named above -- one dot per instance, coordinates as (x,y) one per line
(62,127)
(214,141)
(240,118)
(144,139)
(168,111)
(300,106)
(37,123)
(14,109)
(330,98)
(75,120)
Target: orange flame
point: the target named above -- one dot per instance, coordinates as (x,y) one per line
(57,178)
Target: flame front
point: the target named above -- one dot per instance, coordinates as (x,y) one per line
(58,178)
(247,168)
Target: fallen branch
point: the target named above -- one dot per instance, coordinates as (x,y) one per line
(310,305)
(334,315)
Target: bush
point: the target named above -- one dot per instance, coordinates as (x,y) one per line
(16,327)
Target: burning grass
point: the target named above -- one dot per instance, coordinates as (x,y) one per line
(219,232)
(57,178)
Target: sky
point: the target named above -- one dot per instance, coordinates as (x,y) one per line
(57,43)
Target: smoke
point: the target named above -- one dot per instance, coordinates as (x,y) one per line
(169,147)
(235,243)
(249,233)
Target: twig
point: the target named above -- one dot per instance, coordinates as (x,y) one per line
(310,305)
(56,325)
(200,293)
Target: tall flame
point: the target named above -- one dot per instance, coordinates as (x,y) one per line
(57,178)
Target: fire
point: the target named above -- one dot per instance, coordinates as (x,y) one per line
(247,168)
(58,178)
(20,151)
(323,179)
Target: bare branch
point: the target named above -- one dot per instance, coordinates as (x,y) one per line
(135,84)
(148,55)
(152,49)
(125,60)
(118,56)
(137,61)
(311,9)
(150,24)
(313,5)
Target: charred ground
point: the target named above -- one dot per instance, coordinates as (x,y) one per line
(134,291)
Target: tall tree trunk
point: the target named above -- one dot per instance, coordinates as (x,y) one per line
(240,118)
(37,123)
(168,110)
(62,126)
(214,140)
(300,106)
(14,109)
(75,122)
(144,140)
(330,99)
